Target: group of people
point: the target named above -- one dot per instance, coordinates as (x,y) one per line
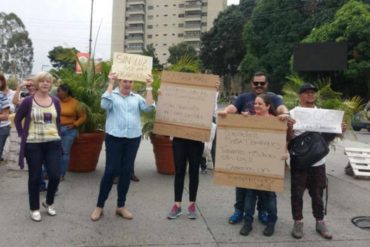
(47,130)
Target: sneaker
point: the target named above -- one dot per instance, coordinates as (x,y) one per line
(297,231)
(50,209)
(263,217)
(246,229)
(175,212)
(322,229)
(192,213)
(236,217)
(35,215)
(269,230)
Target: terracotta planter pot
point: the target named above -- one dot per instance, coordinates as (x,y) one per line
(85,152)
(162,148)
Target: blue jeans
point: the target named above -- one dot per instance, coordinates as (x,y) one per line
(120,157)
(4,133)
(68,136)
(240,199)
(48,153)
(250,204)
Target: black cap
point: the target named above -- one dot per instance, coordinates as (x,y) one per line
(307,86)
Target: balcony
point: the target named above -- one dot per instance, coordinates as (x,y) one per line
(193,6)
(135,39)
(188,37)
(136,9)
(135,19)
(131,30)
(192,27)
(192,17)
(133,2)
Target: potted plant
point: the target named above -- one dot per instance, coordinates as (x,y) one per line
(87,87)
(162,145)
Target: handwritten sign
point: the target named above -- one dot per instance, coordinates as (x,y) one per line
(320,120)
(185,105)
(249,152)
(131,66)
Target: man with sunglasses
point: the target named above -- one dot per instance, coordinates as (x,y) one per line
(244,104)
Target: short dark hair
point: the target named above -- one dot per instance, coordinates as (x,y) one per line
(66,88)
(3,85)
(259,73)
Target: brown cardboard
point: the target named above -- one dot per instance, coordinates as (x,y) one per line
(249,152)
(185,105)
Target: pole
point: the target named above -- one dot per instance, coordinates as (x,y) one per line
(91,19)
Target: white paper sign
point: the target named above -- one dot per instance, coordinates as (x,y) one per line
(131,66)
(318,120)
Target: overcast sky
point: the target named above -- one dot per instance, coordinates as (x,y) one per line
(52,23)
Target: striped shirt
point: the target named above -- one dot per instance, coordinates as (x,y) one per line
(4,103)
(123,113)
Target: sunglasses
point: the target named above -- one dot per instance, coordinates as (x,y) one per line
(259,83)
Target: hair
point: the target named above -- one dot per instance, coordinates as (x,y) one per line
(259,73)
(65,88)
(3,84)
(40,77)
(267,100)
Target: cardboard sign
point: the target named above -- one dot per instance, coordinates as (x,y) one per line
(249,152)
(132,67)
(318,120)
(185,105)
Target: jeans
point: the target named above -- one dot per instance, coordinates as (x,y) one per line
(4,133)
(250,204)
(185,150)
(48,153)
(68,136)
(240,200)
(120,157)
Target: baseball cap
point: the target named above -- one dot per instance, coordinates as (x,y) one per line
(307,86)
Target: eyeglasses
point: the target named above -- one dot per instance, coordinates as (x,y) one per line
(259,83)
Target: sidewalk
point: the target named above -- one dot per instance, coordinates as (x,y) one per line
(151,199)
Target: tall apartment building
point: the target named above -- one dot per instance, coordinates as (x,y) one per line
(163,23)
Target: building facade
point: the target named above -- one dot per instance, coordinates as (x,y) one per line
(162,23)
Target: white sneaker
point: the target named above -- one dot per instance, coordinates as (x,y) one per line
(50,209)
(35,215)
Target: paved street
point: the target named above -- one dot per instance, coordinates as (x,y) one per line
(151,199)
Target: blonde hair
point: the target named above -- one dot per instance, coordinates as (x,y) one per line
(41,76)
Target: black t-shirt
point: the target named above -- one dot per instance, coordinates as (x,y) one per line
(245,102)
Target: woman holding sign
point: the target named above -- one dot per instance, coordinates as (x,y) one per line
(122,140)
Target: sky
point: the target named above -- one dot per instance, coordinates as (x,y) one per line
(65,23)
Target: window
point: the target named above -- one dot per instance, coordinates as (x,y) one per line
(181,15)
(181,24)
(164,44)
(150,17)
(165,34)
(150,26)
(165,15)
(164,54)
(150,7)
(150,36)
(181,5)
(180,35)
(165,25)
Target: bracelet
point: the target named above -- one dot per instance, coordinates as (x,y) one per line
(149,89)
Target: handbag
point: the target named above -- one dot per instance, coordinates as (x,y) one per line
(307,149)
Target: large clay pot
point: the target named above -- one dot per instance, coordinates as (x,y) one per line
(85,152)
(162,148)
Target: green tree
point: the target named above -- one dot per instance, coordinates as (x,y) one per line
(16,51)
(351,25)
(150,51)
(181,50)
(63,58)
(222,48)
(274,29)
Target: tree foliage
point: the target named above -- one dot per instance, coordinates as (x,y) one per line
(274,29)
(150,51)
(63,58)
(222,48)
(351,25)
(16,51)
(181,50)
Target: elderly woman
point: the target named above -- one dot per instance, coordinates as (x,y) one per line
(122,140)
(38,123)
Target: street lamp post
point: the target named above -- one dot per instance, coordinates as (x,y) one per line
(91,19)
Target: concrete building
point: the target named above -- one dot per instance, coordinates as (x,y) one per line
(163,23)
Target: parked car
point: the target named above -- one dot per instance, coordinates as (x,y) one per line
(361,120)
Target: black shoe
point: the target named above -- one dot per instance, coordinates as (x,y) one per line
(269,230)
(203,164)
(246,229)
